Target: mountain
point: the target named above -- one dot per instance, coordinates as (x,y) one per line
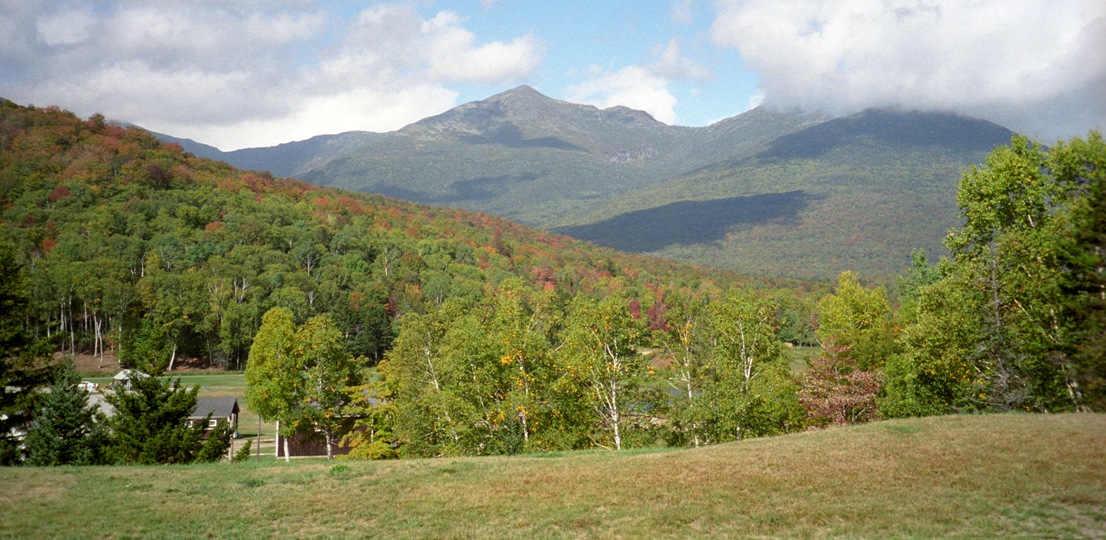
(113,226)
(763,192)
(859,192)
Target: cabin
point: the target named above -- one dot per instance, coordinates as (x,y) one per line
(123,378)
(220,408)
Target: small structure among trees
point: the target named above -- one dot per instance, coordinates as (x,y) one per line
(212,410)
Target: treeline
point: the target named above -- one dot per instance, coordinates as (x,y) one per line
(1015,319)
(135,247)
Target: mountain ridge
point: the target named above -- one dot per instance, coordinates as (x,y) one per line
(576,169)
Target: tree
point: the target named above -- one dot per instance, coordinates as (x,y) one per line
(933,374)
(419,380)
(273,388)
(65,430)
(299,375)
(684,341)
(373,410)
(746,389)
(600,359)
(150,425)
(1012,254)
(1010,325)
(836,391)
(1086,284)
(859,319)
(328,371)
(22,359)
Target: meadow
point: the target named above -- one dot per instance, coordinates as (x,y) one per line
(985,476)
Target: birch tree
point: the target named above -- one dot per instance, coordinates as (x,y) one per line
(747,390)
(600,356)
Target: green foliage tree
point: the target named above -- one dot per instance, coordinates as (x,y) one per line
(150,425)
(1006,326)
(65,430)
(601,365)
(328,372)
(684,342)
(273,373)
(372,407)
(300,376)
(426,409)
(746,388)
(859,319)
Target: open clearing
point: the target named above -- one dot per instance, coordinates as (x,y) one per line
(1016,475)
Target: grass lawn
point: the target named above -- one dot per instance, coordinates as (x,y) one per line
(999,476)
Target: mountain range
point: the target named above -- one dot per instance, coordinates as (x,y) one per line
(770,193)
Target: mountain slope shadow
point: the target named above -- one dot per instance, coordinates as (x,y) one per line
(689,222)
(475,189)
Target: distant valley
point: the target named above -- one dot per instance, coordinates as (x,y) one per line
(794,195)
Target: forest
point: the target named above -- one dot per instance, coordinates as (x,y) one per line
(443,332)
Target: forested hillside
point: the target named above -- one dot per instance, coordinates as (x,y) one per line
(137,247)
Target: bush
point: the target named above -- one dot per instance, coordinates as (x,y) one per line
(243,454)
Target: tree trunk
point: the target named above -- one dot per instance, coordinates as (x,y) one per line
(172,357)
(329,446)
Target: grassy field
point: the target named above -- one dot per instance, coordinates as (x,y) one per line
(1003,476)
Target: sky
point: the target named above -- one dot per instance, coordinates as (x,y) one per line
(248,73)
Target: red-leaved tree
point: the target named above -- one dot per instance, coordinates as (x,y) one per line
(837,392)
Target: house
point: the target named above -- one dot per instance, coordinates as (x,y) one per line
(220,408)
(123,378)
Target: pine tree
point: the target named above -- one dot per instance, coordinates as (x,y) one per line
(21,364)
(65,430)
(149,425)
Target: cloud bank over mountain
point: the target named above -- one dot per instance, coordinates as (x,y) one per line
(1037,67)
(236,73)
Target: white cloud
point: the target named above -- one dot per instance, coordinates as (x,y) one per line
(670,64)
(633,87)
(683,11)
(330,113)
(1035,66)
(247,73)
(453,55)
(644,88)
(66,27)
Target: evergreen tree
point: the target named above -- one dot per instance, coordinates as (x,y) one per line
(1086,282)
(150,423)
(65,430)
(21,359)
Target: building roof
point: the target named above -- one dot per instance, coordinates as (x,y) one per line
(129,374)
(219,407)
